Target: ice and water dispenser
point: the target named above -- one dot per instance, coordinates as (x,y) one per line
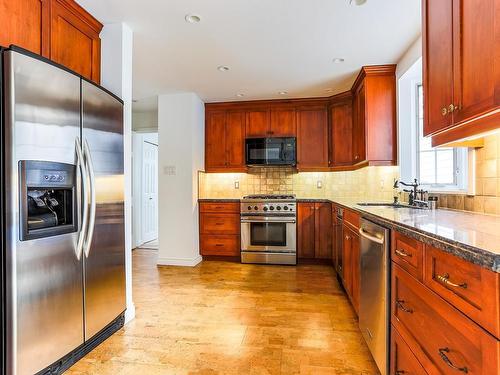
(48,201)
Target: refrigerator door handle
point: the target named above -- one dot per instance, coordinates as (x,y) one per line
(84,207)
(91,175)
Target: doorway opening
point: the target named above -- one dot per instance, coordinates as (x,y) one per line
(145,190)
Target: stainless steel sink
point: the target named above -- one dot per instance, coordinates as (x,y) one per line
(389,205)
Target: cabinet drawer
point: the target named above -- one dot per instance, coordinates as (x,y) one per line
(445,338)
(403,361)
(219,224)
(352,218)
(408,253)
(227,245)
(470,288)
(232,207)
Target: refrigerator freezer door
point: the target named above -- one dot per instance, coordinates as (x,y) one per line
(105,245)
(44,276)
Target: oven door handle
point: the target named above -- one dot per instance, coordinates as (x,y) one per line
(268,220)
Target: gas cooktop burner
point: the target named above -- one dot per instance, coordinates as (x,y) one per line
(270,197)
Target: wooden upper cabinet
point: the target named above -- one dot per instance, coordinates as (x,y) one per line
(215,140)
(359,126)
(341,133)
(235,139)
(25,24)
(476,58)
(461,64)
(225,141)
(374,124)
(74,39)
(312,139)
(283,122)
(306,230)
(438,64)
(257,123)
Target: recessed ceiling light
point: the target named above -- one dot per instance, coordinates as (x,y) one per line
(283,92)
(222,68)
(192,18)
(357,2)
(338,60)
(240,95)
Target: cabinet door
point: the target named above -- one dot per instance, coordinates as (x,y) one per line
(437,63)
(235,139)
(359,126)
(215,145)
(24,24)
(341,134)
(73,42)
(257,124)
(305,230)
(347,259)
(312,139)
(323,228)
(476,57)
(355,258)
(283,122)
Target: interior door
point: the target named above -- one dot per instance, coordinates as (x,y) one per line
(149,191)
(44,303)
(105,246)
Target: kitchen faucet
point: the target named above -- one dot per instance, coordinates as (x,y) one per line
(412,200)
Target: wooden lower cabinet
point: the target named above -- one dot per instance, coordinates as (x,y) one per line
(219,229)
(443,339)
(314,230)
(351,264)
(403,361)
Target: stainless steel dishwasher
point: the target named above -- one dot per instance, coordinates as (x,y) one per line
(374,291)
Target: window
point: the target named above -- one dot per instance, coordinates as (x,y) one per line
(442,168)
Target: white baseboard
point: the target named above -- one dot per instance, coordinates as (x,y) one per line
(129,313)
(183,262)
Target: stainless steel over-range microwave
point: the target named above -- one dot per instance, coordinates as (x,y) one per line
(270,151)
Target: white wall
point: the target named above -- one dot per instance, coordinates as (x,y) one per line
(408,74)
(181,155)
(145,121)
(137,180)
(116,76)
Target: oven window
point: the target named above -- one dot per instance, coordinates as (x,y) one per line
(268,234)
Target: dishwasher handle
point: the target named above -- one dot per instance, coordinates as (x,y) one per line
(371,237)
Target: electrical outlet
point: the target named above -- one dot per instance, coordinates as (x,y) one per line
(319,184)
(236,184)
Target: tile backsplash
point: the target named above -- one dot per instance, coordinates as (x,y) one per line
(370,183)
(367,183)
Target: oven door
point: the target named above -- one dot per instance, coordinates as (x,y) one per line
(268,234)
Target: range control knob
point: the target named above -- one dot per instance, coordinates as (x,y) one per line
(271,208)
(278,208)
(256,208)
(249,207)
(285,208)
(265,208)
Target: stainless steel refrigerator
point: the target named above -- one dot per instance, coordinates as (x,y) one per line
(63,252)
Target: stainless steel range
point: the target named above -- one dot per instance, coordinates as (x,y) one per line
(269,229)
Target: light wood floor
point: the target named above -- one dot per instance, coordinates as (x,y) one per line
(229,318)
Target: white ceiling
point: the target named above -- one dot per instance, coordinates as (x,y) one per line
(269,45)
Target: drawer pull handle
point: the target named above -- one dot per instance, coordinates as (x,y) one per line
(219,223)
(400,372)
(219,245)
(403,253)
(445,280)
(401,305)
(444,357)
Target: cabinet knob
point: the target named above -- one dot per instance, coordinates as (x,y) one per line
(452,108)
(356,157)
(444,111)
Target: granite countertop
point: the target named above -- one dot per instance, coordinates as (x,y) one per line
(220,200)
(471,236)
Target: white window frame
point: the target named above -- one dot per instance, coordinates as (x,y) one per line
(460,159)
